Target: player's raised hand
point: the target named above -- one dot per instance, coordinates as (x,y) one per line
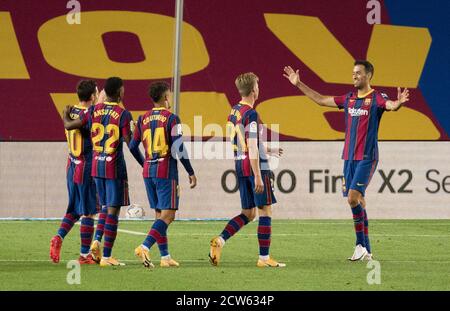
(291,75)
(259,186)
(101,97)
(402,96)
(193,181)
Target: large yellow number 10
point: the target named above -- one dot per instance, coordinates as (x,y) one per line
(159,144)
(98,132)
(74,140)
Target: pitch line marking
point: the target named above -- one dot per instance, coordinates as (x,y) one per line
(240,261)
(426,222)
(297,234)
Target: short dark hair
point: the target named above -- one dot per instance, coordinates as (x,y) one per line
(85,89)
(112,87)
(157,89)
(367,66)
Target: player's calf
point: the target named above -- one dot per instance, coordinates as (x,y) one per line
(86,232)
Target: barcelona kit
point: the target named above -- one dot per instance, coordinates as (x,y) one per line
(109,124)
(244,124)
(360,154)
(80,185)
(161,134)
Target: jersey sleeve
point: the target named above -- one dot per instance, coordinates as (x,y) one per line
(175,127)
(340,101)
(252,125)
(86,117)
(176,133)
(137,130)
(125,128)
(382,98)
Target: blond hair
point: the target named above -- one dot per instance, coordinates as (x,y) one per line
(245,83)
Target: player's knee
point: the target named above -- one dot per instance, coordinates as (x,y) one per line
(251,217)
(363,203)
(353,200)
(168,216)
(265,211)
(250,214)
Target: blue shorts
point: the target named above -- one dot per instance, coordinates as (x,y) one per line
(250,199)
(357,175)
(162,193)
(82,197)
(112,192)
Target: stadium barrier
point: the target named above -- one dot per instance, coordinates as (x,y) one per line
(412,181)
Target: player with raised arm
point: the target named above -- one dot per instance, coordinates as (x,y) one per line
(109,126)
(253,173)
(363,110)
(161,134)
(80,185)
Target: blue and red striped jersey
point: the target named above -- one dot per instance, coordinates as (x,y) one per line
(80,146)
(109,124)
(244,123)
(159,129)
(362,120)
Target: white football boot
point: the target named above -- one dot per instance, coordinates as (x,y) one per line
(359,253)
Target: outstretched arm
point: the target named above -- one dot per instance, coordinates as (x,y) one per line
(402,97)
(294,78)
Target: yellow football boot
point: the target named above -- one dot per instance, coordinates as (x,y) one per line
(111,261)
(215,251)
(144,256)
(167,263)
(96,251)
(270,263)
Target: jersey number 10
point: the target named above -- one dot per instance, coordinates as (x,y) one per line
(74,140)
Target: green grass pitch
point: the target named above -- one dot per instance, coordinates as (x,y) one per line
(413,255)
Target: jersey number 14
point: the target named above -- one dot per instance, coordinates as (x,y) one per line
(156,145)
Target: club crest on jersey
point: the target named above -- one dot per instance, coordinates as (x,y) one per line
(367,101)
